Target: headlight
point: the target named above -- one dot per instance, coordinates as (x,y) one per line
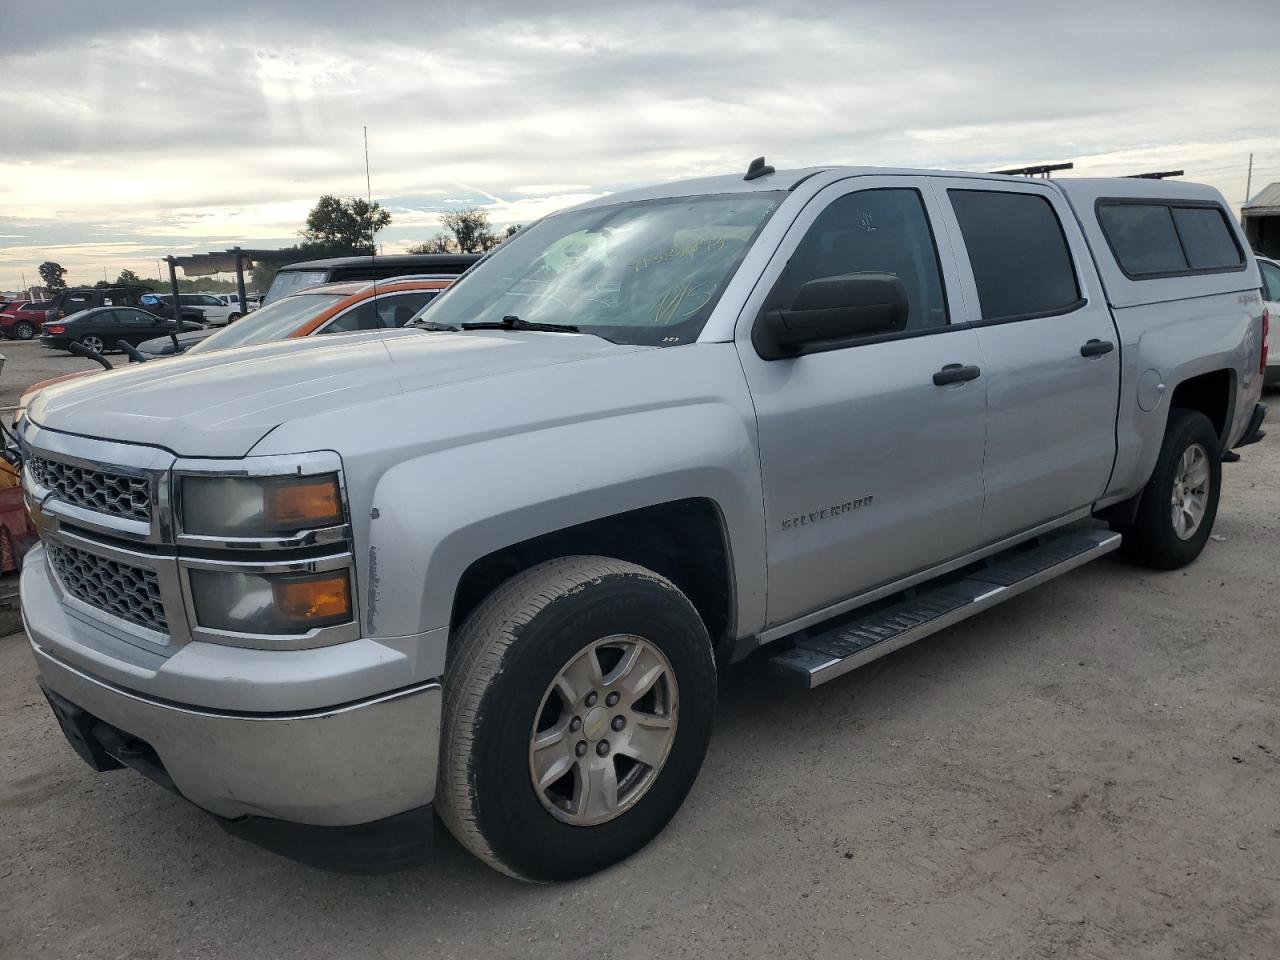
(259,506)
(282,603)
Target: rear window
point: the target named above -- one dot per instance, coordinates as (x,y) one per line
(1018,253)
(1158,239)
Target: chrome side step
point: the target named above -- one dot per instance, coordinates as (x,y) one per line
(817,658)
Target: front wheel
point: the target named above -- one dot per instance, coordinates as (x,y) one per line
(24,330)
(1180,502)
(232,318)
(577,711)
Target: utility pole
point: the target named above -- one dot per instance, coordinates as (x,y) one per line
(1248,184)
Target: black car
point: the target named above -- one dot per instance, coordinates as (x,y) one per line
(75,299)
(102,328)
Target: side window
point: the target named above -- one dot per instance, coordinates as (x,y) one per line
(1270,281)
(363,316)
(1206,238)
(395,312)
(1018,253)
(1162,239)
(871,231)
(75,303)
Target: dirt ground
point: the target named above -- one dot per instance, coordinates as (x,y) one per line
(1091,770)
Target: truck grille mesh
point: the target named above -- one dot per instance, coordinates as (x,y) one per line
(128,592)
(110,493)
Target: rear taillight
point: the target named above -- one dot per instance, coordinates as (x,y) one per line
(1266,332)
(55,329)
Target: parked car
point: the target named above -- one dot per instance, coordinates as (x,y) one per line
(232,300)
(328,308)
(298,276)
(489,565)
(74,299)
(214,311)
(101,328)
(1270,270)
(161,304)
(21,319)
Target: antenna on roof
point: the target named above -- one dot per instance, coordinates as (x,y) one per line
(757,168)
(1155,176)
(1043,170)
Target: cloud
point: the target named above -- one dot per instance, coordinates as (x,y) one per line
(199,132)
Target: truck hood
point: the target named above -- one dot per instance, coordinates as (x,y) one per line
(220,404)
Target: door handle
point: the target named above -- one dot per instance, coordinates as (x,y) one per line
(1096,348)
(956,373)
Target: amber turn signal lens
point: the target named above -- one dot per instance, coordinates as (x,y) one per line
(314,601)
(296,504)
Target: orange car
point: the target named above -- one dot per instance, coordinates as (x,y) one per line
(327,308)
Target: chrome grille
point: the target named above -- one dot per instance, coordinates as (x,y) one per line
(120,589)
(110,493)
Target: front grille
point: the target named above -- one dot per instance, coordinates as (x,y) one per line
(120,589)
(110,493)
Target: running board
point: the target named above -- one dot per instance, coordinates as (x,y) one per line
(817,658)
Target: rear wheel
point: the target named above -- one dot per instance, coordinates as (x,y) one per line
(232,318)
(1180,502)
(24,330)
(93,343)
(578,708)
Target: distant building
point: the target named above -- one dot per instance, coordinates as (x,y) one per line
(1261,218)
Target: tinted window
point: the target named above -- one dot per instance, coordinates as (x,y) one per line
(871,231)
(1143,237)
(1018,253)
(1206,238)
(1270,281)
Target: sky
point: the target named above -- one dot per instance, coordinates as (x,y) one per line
(129,131)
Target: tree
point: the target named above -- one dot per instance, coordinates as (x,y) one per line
(128,276)
(468,231)
(53,275)
(344,224)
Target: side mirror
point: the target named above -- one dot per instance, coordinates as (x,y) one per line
(830,312)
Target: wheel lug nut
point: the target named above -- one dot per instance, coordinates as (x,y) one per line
(590,701)
(619,722)
(602,748)
(575,724)
(581,748)
(613,698)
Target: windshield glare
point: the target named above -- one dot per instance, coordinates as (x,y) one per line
(648,272)
(289,281)
(273,322)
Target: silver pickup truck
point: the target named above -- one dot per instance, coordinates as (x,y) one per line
(486,567)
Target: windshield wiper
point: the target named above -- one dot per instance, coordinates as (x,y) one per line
(433,325)
(512,322)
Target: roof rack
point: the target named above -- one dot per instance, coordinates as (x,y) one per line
(1043,170)
(1154,176)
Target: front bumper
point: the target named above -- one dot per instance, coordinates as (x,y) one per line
(353,762)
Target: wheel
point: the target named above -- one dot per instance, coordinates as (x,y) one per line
(577,711)
(232,317)
(93,343)
(24,330)
(1180,502)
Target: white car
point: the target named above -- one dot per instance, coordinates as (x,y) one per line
(1270,270)
(232,300)
(217,312)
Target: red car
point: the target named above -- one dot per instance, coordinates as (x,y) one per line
(21,319)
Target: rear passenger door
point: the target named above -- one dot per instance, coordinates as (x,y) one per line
(872,470)
(1050,351)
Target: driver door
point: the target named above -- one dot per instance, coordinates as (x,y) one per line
(872,471)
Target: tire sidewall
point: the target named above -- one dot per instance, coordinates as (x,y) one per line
(23,330)
(522,833)
(1161,544)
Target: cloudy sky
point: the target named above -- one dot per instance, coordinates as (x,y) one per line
(132,130)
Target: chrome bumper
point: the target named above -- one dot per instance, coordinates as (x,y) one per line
(351,763)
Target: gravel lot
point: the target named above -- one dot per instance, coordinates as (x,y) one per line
(26,362)
(1090,770)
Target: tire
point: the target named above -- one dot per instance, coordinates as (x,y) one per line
(93,343)
(24,330)
(1155,539)
(233,317)
(503,689)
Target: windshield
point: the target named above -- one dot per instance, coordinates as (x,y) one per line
(648,272)
(291,281)
(274,322)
